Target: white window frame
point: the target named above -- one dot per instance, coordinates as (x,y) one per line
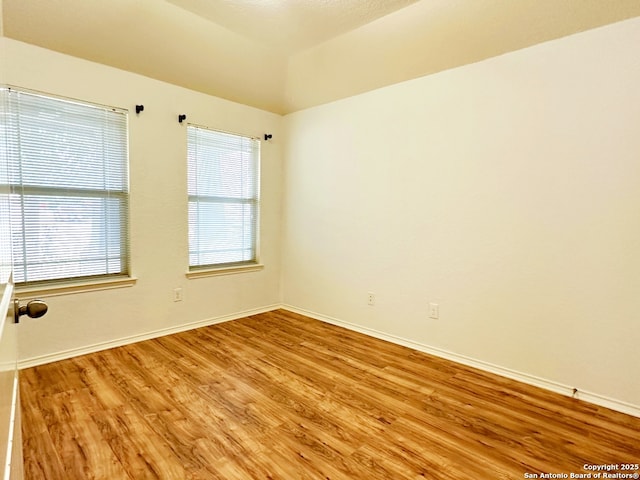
(198,198)
(20,190)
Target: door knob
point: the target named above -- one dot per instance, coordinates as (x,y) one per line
(33,309)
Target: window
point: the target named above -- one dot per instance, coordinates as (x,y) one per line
(68,181)
(223,187)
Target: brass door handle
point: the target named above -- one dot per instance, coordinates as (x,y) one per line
(33,309)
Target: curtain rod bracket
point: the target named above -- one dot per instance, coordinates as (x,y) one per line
(181,118)
(267,136)
(139,108)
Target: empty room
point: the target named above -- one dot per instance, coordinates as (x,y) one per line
(319,239)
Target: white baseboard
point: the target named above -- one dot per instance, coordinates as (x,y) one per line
(566,390)
(75,352)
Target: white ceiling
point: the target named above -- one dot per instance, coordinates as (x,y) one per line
(286,55)
(291,25)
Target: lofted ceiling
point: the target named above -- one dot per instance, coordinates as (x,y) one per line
(291,25)
(286,55)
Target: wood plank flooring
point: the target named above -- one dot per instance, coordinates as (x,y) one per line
(282,396)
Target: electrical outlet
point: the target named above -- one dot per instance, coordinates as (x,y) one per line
(371,299)
(177,294)
(434,310)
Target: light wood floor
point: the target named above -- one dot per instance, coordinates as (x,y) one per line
(281,396)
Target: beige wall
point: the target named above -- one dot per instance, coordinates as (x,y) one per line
(506,191)
(158,208)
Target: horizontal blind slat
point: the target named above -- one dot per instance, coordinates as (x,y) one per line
(68,171)
(223,187)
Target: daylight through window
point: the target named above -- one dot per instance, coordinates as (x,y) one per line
(223,187)
(68,184)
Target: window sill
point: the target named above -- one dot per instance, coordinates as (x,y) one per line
(212,272)
(71,288)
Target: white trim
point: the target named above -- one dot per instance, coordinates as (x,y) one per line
(75,352)
(57,289)
(212,272)
(544,383)
(12,425)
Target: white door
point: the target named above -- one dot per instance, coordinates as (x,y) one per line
(10,429)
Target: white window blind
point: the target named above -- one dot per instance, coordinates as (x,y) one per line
(223,187)
(5,225)
(68,176)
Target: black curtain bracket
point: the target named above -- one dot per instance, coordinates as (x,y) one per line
(181,118)
(267,136)
(139,108)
